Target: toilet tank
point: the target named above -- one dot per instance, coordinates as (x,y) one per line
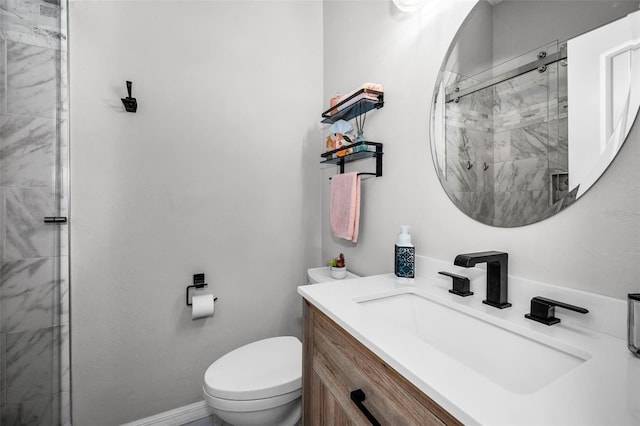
(322,274)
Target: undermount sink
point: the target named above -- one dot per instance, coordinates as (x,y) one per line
(516,361)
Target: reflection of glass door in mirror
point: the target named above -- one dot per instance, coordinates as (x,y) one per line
(501,129)
(502,144)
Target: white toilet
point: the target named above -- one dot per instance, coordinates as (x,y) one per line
(260,384)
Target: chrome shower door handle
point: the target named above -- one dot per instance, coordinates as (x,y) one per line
(59,220)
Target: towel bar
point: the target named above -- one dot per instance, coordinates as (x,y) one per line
(365,173)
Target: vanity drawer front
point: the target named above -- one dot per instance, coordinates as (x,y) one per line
(344,365)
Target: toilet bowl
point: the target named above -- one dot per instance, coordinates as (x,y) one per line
(257,384)
(260,384)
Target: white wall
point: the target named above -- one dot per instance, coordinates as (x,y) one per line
(217,172)
(473,55)
(593,245)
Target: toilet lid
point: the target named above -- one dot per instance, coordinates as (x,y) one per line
(261,369)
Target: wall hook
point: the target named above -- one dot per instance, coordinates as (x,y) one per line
(469,165)
(485,166)
(130,104)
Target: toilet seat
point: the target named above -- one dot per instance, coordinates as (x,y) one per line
(252,404)
(261,370)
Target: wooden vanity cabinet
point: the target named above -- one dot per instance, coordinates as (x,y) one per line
(335,364)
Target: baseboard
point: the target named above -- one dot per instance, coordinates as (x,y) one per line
(176,417)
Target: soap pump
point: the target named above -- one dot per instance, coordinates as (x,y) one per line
(405,257)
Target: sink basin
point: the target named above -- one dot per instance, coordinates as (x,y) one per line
(509,357)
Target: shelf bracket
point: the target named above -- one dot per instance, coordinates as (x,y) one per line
(341,161)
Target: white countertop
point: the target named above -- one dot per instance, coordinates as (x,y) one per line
(603,390)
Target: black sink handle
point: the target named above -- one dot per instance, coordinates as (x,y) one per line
(461,284)
(543,310)
(358,397)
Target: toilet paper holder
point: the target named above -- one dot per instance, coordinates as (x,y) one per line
(198,282)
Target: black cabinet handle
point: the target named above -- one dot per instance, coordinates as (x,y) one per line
(55,219)
(358,396)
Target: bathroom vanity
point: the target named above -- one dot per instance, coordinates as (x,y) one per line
(336,365)
(376,352)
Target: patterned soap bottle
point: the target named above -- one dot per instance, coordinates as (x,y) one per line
(405,257)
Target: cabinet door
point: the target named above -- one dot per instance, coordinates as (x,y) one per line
(342,364)
(327,409)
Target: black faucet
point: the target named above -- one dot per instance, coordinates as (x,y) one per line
(497,273)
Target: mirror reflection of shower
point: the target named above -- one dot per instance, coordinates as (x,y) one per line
(511,122)
(517,137)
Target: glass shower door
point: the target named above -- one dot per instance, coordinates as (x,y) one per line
(504,143)
(34,258)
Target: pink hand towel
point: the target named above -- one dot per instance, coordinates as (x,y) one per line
(345,206)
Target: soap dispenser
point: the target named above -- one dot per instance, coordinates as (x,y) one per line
(405,259)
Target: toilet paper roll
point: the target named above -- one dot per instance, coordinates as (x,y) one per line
(202,306)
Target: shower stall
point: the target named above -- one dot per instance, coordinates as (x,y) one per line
(504,157)
(34,187)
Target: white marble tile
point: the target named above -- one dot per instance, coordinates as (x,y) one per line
(475,204)
(553,83)
(46,411)
(559,145)
(460,178)
(62,153)
(529,142)
(27,151)
(3,70)
(459,147)
(521,175)
(3,351)
(34,22)
(33,363)
(465,144)
(26,234)
(62,360)
(529,88)
(10,415)
(471,112)
(29,365)
(32,295)
(61,297)
(502,146)
(32,83)
(521,207)
(2,222)
(42,411)
(486,183)
(63,84)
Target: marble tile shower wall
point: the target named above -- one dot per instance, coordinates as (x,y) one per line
(513,135)
(34,296)
(469,147)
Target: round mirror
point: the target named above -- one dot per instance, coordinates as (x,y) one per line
(533,101)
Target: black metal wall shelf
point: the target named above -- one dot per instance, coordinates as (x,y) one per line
(358,108)
(331,157)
